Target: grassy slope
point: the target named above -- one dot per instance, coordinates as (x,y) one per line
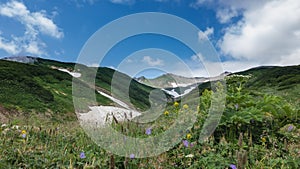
(33,88)
(281,81)
(41,89)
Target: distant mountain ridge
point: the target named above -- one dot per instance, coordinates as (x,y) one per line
(170,80)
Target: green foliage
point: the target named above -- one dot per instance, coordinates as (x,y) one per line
(259,124)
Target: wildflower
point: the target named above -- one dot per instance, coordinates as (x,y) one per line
(23,135)
(263,139)
(176,104)
(190,156)
(268,114)
(166,113)
(23,132)
(232,166)
(185,106)
(131,156)
(188,136)
(290,128)
(82,155)
(148,131)
(185,143)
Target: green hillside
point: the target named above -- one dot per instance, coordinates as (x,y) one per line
(39,89)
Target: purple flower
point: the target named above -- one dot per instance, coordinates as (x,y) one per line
(290,128)
(23,135)
(148,131)
(232,166)
(131,156)
(185,143)
(82,155)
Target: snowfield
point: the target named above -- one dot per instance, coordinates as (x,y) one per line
(119,102)
(176,95)
(74,74)
(101,115)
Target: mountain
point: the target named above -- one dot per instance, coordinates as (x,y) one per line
(170,80)
(275,80)
(178,86)
(36,87)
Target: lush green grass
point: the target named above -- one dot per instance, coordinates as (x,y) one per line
(38,89)
(256,130)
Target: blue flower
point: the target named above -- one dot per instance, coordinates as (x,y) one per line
(82,155)
(290,128)
(23,135)
(131,156)
(148,131)
(232,166)
(185,143)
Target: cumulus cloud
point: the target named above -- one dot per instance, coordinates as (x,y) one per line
(35,23)
(152,62)
(226,10)
(206,34)
(266,34)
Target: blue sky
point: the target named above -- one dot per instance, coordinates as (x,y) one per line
(244,33)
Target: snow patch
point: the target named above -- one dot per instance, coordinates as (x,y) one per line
(176,95)
(74,74)
(119,102)
(101,115)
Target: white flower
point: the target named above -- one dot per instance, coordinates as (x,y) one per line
(15,127)
(189,156)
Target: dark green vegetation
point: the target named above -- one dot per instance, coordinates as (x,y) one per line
(258,129)
(39,89)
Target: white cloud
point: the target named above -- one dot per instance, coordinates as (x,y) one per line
(197,58)
(35,23)
(36,20)
(206,34)
(9,47)
(268,34)
(228,9)
(225,15)
(152,62)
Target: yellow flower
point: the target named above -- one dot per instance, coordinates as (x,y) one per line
(268,114)
(263,139)
(176,104)
(189,136)
(23,131)
(166,113)
(185,106)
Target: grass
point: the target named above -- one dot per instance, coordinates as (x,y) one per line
(257,130)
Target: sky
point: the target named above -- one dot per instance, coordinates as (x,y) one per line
(243,33)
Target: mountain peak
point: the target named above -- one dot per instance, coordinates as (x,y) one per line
(21,59)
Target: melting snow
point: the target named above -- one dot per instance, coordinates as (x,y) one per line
(176,95)
(74,74)
(119,102)
(100,115)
